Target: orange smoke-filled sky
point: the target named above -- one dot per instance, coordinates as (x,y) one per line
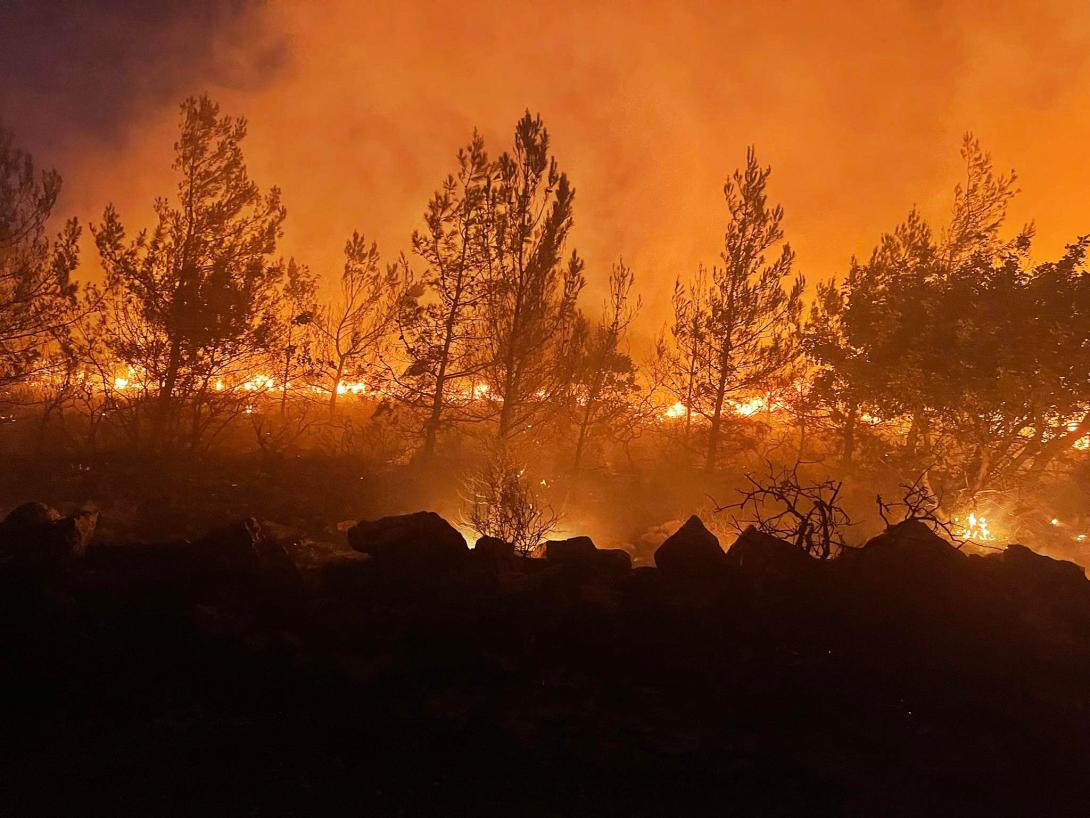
(356,111)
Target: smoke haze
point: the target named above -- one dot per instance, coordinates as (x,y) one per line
(356,111)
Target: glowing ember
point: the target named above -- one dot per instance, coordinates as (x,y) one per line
(357,388)
(751,407)
(678,410)
(259,383)
(976,529)
(746,408)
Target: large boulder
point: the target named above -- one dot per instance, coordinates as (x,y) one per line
(907,568)
(690,551)
(909,543)
(36,532)
(615,559)
(494,555)
(493,548)
(582,553)
(422,540)
(759,553)
(573,549)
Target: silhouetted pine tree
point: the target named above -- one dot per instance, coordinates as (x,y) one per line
(194,299)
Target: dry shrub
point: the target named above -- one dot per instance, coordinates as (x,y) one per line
(499,501)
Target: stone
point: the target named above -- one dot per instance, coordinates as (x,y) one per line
(761,553)
(690,551)
(573,549)
(423,539)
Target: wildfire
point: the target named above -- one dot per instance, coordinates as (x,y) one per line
(133,380)
(352,388)
(750,407)
(976,528)
(259,383)
(678,410)
(745,408)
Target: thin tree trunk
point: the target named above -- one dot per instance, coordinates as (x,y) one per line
(166,393)
(584,428)
(716,425)
(507,411)
(336,385)
(287,373)
(431,429)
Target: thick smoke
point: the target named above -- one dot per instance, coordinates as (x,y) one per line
(81,74)
(92,88)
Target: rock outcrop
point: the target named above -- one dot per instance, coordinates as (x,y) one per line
(690,551)
(418,540)
(583,553)
(762,554)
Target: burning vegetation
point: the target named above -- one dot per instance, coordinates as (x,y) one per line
(949,352)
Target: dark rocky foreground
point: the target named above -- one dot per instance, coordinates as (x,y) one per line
(255,672)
